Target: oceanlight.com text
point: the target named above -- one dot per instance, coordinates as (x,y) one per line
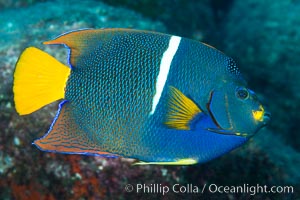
(210,188)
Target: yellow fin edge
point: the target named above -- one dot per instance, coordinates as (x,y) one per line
(186,161)
(39,79)
(181,110)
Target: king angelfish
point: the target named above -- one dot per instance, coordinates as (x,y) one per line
(157,98)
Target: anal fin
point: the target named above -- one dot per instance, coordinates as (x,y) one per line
(65,136)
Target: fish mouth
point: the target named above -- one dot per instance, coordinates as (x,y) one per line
(266,117)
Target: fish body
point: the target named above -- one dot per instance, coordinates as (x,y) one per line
(155,97)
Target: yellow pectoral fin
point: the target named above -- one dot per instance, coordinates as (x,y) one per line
(39,79)
(186,161)
(181,110)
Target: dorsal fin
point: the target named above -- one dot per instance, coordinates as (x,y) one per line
(77,41)
(83,40)
(180,110)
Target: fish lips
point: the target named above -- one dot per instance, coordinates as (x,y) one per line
(266,118)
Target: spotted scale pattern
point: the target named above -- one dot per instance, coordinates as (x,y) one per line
(232,68)
(112,86)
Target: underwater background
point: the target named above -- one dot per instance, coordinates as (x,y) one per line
(263,37)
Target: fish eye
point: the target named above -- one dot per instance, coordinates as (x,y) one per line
(242,93)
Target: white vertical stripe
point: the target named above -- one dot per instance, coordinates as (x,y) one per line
(164,68)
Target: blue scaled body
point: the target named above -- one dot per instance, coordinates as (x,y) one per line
(158,98)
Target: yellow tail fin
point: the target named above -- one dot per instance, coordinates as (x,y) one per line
(39,79)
